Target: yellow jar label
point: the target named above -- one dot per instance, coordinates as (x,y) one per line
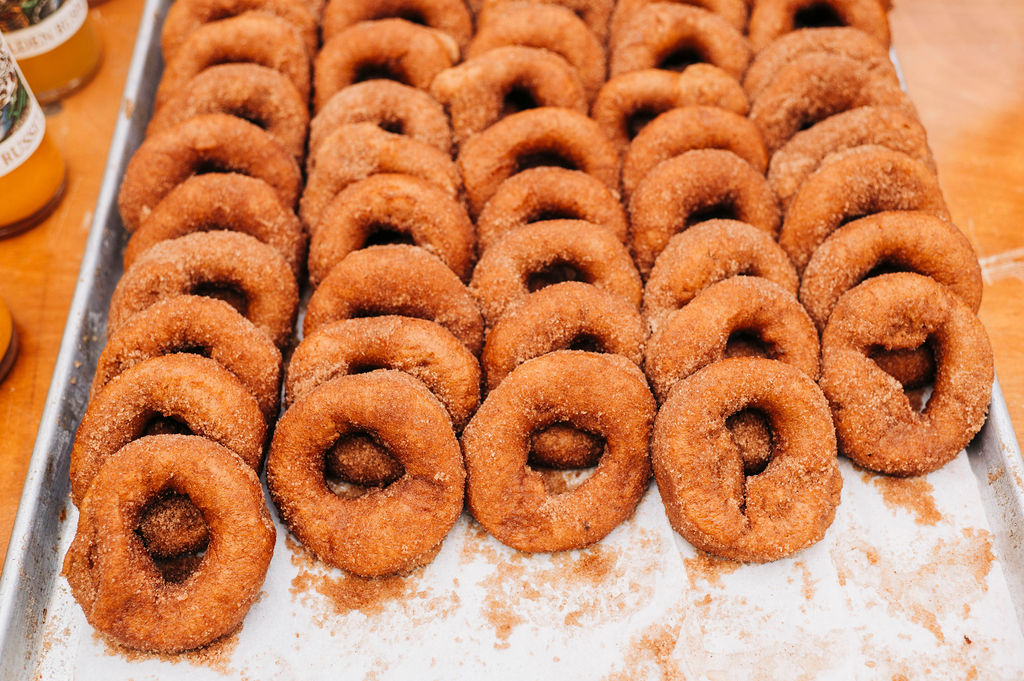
(22,122)
(34,27)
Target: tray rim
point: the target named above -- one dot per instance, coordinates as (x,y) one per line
(45,461)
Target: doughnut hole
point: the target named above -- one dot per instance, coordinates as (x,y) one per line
(371,70)
(167,524)
(681,57)
(220,291)
(914,368)
(544,158)
(747,344)
(817,15)
(161,424)
(357,463)
(555,273)
(725,210)
(578,453)
(518,98)
(638,120)
(752,432)
(382,233)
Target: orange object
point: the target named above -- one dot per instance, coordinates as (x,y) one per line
(32,170)
(57,48)
(8,341)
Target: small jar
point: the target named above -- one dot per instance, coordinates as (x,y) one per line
(8,341)
(55,44)
(32,170)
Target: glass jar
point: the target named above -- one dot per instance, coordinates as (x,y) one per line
(55,44)
(8,341)
(32,170)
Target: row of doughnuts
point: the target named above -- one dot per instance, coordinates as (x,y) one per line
(365,465)
(188,385)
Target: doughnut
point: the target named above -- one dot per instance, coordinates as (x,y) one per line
(203,326)
(598,393)
(252,92)
(690,188)
(708,253)
(203,144)
(385,530)
(384,204)
(186,390)
(694,127)
(231,264)
(550,193)
(420,348)
(483,90)
(671,36)
(852,184)
(394,49)
(713,497)
(117,584)
(544,253)
(392,106)
(845,42)
(733,11)
(770,19)
(698,334)
(185,16)
(449,16)
(907,240)
(254,37)
(817,86)
(569,315)
(594,13)
(547,26)
(356,151)
(629,102)
(222,201)
(547,136)
(875,422)
(802,155)
(396,280)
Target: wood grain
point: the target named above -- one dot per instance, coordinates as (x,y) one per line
(964,65)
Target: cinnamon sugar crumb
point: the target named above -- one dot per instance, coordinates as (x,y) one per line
(709,568)
(913,495)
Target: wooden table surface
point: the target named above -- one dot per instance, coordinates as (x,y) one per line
(964,66)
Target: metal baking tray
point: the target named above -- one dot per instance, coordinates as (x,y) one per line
(922,578)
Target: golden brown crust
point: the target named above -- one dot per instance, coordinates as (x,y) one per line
(708,497)
(626,101)
(417,209)
(773,18)
(423,349)
(115,581)
(481,91)
(220,142)
(195,390)
(355,151)
(680,191)
(538,137)
(594,13)
(685,129)
(876,424)
(185,16)
(450,16)
(396,280)
(598,393)
(391,106)
(547,26)
(548,193)
(196,324)
(248,91)
(254,37)
(393,48)
(820,85)
(708,253)
(386,530)
(733,11)
(698,334)
(230,260)
(503,278)
(222,201)
(658,31)
(908,240)
(881,126)
(854,183)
